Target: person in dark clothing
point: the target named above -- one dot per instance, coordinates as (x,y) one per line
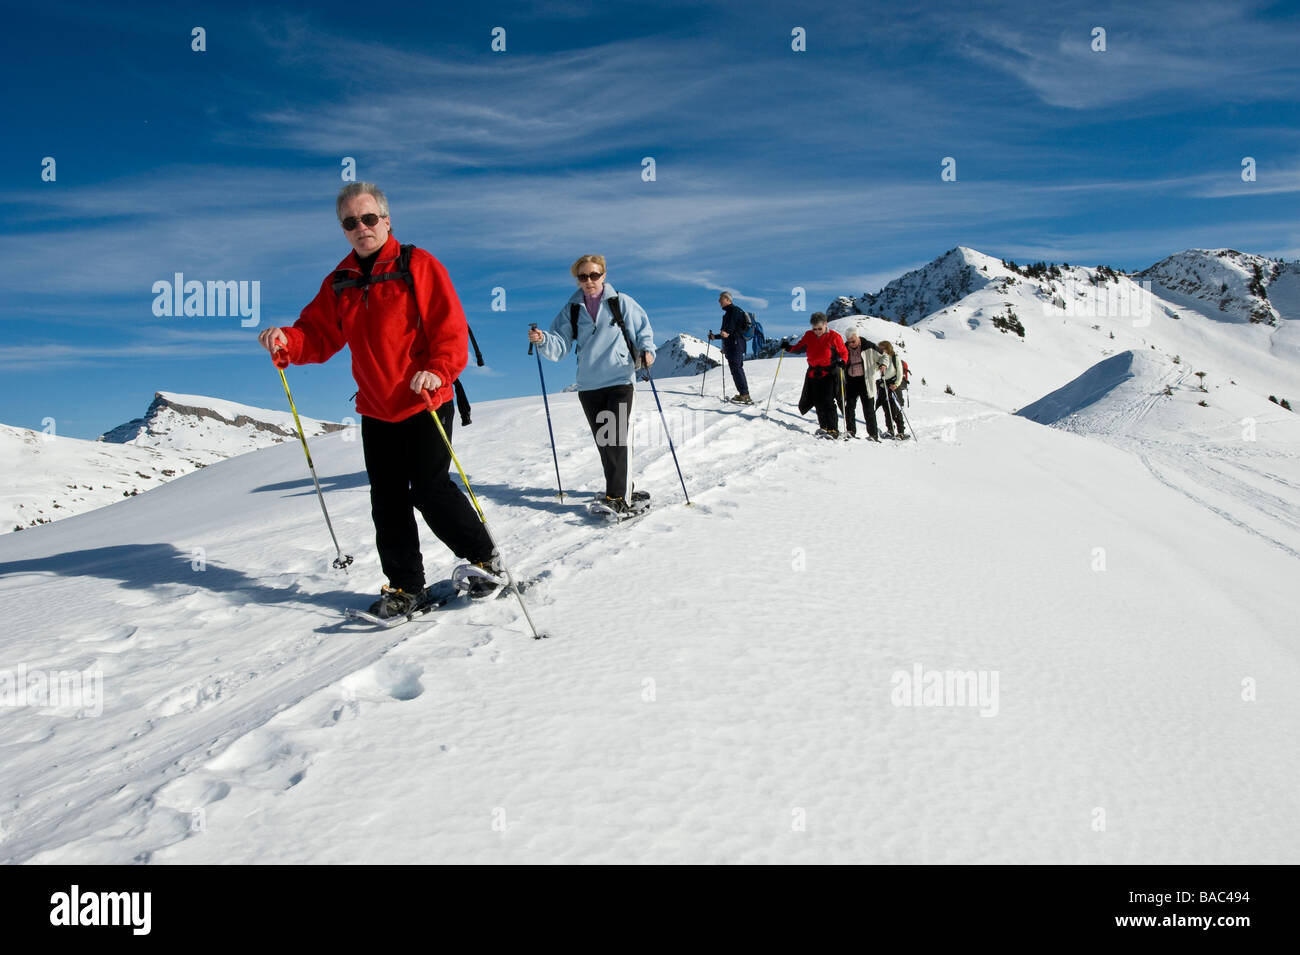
(732,334)
(826,354)
(860,374)
(406,338)
(891,377)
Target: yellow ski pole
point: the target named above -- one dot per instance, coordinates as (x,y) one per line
(342,560)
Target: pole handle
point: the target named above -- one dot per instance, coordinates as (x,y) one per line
(532,327)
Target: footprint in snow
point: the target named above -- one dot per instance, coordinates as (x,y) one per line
(399,680)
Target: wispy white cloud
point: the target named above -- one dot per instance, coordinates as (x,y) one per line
(154,344)
(1218,53)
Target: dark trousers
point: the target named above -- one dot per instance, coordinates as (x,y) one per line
(735,355)
(855,389)
(823,393)
(609,411)
(893,414)
(407,463)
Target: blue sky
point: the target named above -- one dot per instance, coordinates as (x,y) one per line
(774,168)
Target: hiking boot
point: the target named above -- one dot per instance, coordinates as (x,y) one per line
(638,496)
(618,505)
(395,602)
(743,399)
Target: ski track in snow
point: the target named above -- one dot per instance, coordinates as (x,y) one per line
(1257,505)
(230,703)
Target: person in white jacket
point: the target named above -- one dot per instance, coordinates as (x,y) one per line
(887,395)
(860,378)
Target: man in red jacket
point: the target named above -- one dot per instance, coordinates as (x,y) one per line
(406,337)
(826,354)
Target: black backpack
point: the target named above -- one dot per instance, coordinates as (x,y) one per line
(342,280)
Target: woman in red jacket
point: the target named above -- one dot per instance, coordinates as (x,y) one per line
(407,336)
(826,353)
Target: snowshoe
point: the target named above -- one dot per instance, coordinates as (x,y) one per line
(742,399)
(479,579)
(616,509)
(395,606)
(395,602)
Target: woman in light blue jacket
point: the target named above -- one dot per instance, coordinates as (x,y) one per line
(597,323)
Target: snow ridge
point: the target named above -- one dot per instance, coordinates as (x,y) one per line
(187,422)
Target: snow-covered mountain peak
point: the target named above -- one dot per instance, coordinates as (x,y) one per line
(1236,284)
(684,355)
(920,292)
(47,477)
(197,423)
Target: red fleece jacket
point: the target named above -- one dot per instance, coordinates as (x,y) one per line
(819,347)
(381,324)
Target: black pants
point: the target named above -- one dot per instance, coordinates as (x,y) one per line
(893,413)
(735,356)
(609,411)
(855,389)
(407,463)
(823,392)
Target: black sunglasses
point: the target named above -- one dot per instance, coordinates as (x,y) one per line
(589,276)
(369,219)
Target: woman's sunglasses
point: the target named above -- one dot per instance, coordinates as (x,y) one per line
(589,276)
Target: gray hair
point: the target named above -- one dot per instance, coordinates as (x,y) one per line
(354,189)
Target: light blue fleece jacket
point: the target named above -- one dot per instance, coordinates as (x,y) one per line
(603,360)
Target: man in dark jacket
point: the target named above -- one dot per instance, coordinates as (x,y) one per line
(732,334)
(406,338)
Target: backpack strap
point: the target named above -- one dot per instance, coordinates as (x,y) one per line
(573,320)
(616,307)
(343,279)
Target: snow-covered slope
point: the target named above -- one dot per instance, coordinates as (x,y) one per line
(46,477)
(770,675)
(1222,450)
